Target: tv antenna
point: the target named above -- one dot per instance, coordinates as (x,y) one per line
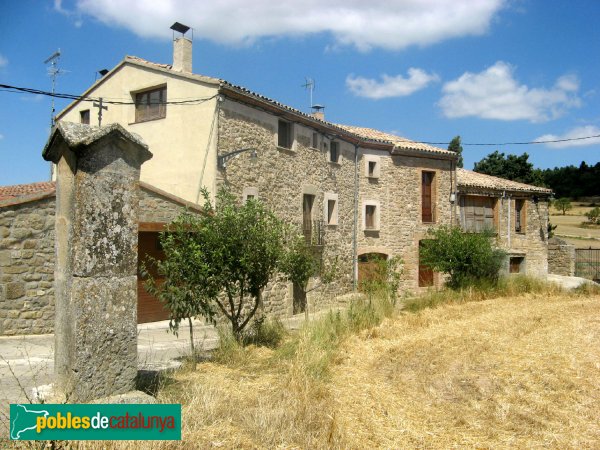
(309,86)
(54,72)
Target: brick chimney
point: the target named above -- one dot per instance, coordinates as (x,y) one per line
(182,55)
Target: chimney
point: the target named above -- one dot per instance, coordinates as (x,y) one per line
(182,55)
(182,49)
(318,112)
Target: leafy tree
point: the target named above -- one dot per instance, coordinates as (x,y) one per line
(226,257)
(562,204)
(510,167)
(594,215)
(468,258)
(456,147)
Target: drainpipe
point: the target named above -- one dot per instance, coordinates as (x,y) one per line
(355,230)
(508,224)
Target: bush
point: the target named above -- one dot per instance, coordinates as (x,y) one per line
(468,258)
(593,216)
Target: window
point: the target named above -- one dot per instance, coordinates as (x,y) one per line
(516,264)
(520,215)
(427,196)
(372,166)
(334,152)
(151,105)
(250,193)
(315,140)
(330,208)
(307,225)
(285,138)
(371,216)
(478,213)
(84,116)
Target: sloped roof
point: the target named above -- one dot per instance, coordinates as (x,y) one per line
(24,190)
(360,133)
(397,141)
(468,178)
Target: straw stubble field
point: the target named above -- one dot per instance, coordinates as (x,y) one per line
(508,372)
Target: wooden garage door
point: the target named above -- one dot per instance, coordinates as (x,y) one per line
(149,308)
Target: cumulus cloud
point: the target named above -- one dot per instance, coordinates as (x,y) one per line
(496,94)
(576,133)
(389,24)
(397,86)
(3,61)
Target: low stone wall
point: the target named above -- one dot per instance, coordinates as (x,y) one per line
(27,268)
(561,257)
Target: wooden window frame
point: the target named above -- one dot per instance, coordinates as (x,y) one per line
(84,116)
(285,134)
(470,201)
(518,261)
(520,216)
(147,109)
(431,216)
(375,161)
(375,207)
(334,152)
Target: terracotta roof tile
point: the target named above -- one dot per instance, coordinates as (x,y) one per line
(468,178)
(22,190)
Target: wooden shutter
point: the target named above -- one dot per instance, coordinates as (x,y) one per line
(426,197)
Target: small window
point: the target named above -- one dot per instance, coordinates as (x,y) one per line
(334,152)
(371,216)
(151,105)
(516,264)
(330,211)
(285,138)
(315,140)
(372,166)
(519,215)
(427,196)
(84,116)
(250,193)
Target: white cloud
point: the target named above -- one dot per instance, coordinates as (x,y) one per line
(389,24)
(495,94)
(575,133)
(397,86)
(3,61)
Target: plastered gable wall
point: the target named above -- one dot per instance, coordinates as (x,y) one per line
(398,192)
(282,177)
(27,259)
(183,143)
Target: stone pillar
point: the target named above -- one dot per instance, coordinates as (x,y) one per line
(97,185)
(561,257)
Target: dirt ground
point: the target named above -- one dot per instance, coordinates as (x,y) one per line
(570,229)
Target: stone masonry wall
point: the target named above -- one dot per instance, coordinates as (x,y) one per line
(398,191)
(27,268)
(281,177)
(561,257)
(27,259)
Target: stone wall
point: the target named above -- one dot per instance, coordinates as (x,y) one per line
(561,257)
(27,258)
(27,268)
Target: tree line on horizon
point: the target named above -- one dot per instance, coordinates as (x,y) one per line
(568,181)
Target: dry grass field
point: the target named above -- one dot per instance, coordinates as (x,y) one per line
(570,229)
(521,371)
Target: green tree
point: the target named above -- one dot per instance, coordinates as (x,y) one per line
(510,167)
(593,215)
(562,204)
(456,147)
(228,255)
(468,258)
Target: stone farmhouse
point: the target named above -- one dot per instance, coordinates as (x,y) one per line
(356,193)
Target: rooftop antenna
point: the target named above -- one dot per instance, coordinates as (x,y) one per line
(53,71)
(310,86)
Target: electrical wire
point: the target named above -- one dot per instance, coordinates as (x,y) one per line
(190,101)
(197,101)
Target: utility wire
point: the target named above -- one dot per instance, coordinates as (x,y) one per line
(190,101)
(197,101)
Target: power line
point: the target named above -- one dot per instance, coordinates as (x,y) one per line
(190,101)
(197,101)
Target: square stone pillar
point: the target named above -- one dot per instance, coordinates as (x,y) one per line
(97,185)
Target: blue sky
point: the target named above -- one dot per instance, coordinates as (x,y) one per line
(491,71)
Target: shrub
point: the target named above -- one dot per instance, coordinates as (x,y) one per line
(593,216)
(468,258)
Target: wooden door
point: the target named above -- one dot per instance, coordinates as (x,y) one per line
(149,308)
